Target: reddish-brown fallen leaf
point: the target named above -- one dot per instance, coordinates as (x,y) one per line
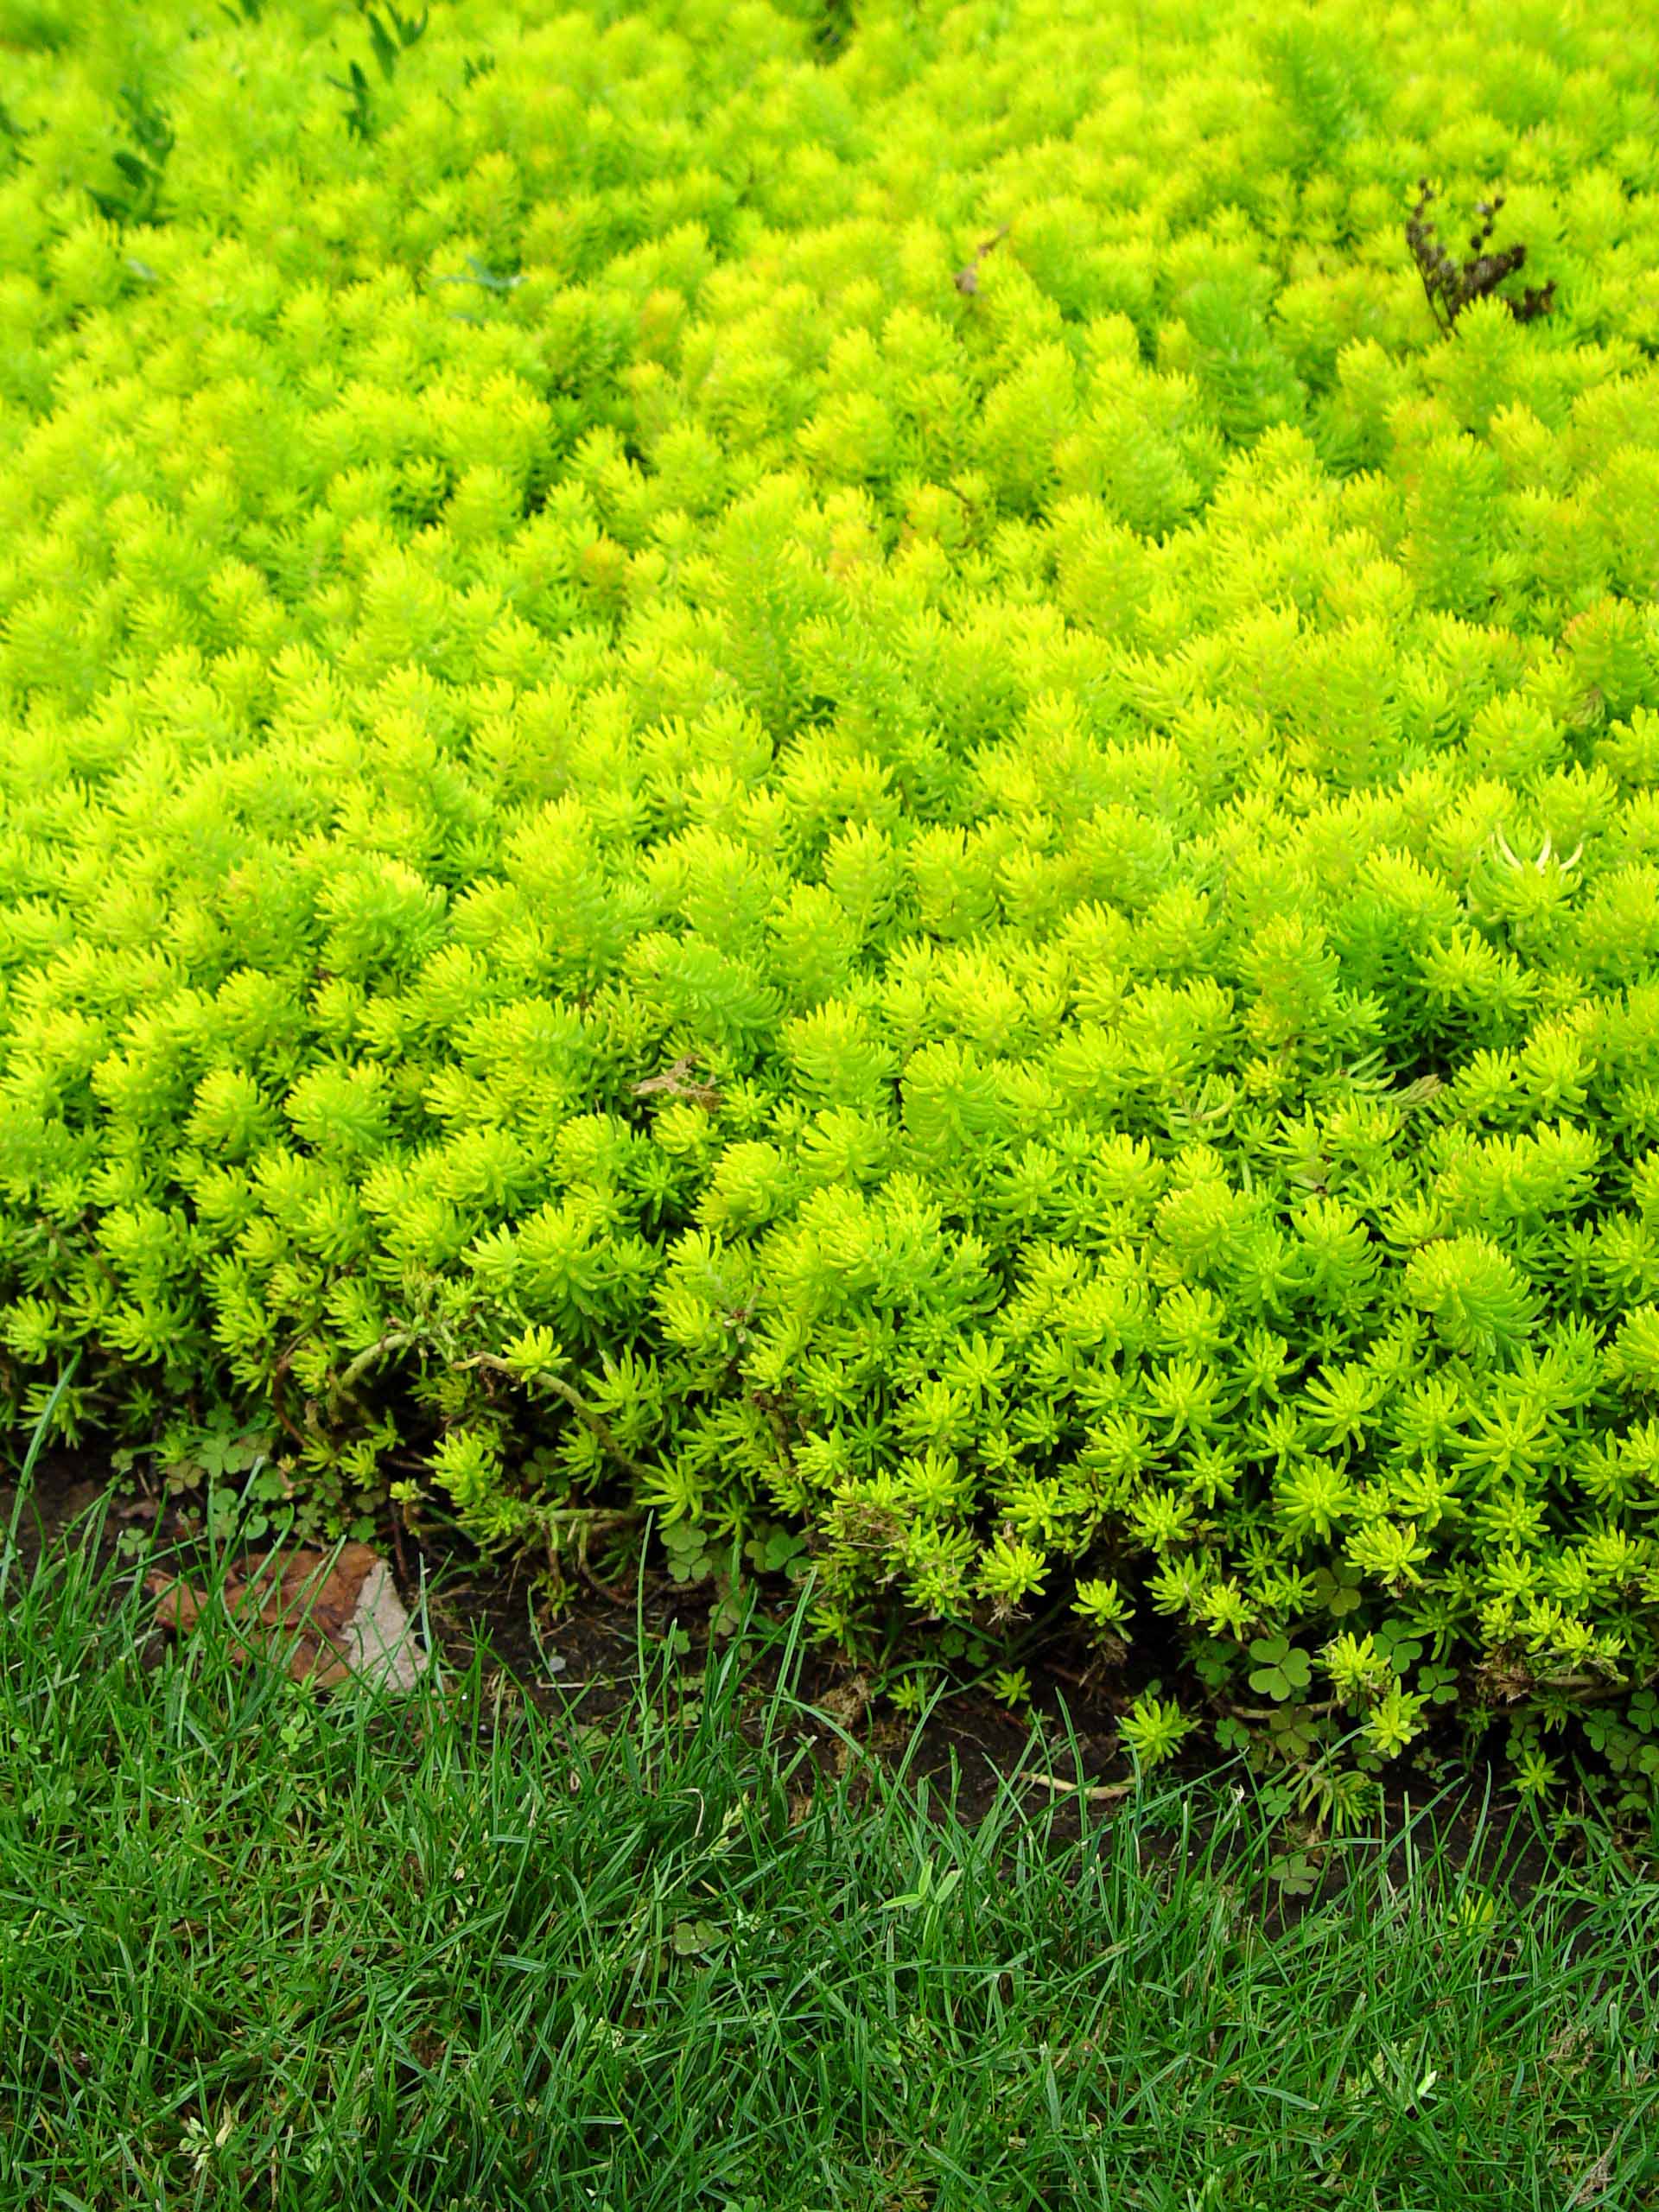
(342,1612)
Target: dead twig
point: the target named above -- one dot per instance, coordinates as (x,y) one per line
(966,280)
(1273,1711)
(572,1397)
(276,1405)
(396,1340)
(590,1574)
(397,1551)
(1100,1793)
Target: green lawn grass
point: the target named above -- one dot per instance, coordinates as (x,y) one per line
(263,1948)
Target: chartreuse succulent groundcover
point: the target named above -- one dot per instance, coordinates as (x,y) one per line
(835,772)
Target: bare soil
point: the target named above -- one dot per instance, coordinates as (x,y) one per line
(586,1650)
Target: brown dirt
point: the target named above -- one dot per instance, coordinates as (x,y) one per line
(595,1641)
(588,1648)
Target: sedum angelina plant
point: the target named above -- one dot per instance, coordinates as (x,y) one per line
(654,856)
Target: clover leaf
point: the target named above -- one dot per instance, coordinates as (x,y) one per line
(1281,1673)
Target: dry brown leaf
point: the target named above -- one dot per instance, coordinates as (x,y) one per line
(343,1613)
(848,1701)
(677,1082)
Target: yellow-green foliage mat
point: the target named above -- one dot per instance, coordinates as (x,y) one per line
(825,769)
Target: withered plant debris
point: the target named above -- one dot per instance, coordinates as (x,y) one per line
(1450,285)
(678,1082)
(966,280)
(341,1612)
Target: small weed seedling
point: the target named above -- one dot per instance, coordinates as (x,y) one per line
(359,108)
(393,36)
(835,28)
(139,165)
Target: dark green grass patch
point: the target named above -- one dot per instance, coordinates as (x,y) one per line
(260,1948)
